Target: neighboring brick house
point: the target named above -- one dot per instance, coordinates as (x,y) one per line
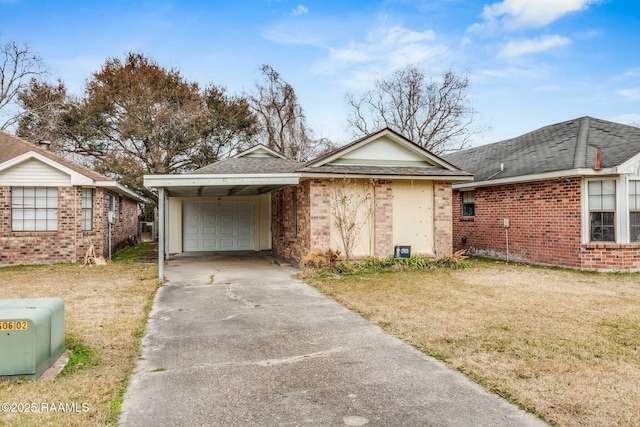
(260,200)
(570,193)
(52,210)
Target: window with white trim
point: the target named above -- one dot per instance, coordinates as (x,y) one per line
(34,208)
(634,211)
(602,210)
(468,203)
(87,209)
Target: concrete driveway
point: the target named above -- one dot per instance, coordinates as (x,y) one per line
(233,340)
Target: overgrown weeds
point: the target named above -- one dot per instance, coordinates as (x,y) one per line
(329,263)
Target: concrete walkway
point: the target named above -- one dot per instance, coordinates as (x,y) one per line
(235,341)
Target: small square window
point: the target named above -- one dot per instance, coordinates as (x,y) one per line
(468,203)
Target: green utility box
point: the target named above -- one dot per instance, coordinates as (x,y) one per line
(25,342)
(31,336)
(55,307)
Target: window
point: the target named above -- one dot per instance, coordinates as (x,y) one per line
(34,209)
(602,210)
(87,209)
(634,211)
(468,203)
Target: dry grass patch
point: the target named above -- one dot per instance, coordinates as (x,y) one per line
(563,344)
(105,314)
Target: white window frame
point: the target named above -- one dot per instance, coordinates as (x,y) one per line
(87,209)
(636,181)
(29,205)
(586,212)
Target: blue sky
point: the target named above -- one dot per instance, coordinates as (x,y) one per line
(531,62)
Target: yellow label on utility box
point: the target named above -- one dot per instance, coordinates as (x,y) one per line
(14,325)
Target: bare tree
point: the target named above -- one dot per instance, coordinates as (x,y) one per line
(282,122)
(18,65)
(351,204)
(434,114)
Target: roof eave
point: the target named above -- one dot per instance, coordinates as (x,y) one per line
(194,180)
(119,188)
(538,177)
(448,178)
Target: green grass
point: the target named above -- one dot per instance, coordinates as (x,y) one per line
(131,253)
(81,357)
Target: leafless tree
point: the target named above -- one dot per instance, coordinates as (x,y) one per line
(351,203)
(18,65)
(282,121)
(434,114)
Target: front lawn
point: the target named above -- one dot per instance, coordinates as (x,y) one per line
(106,311)
(562,344)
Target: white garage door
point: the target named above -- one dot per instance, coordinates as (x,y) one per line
(224,225)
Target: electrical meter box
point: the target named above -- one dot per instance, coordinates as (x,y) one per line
(31,336)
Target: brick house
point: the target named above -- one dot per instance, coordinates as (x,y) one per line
(52,210)
(566,194)
(259,200)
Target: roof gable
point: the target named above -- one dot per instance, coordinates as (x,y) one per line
(384,148)
(16,152)
(33,169)
(259,151)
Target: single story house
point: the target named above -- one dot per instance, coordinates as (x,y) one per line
(52,210)
(566,194)
(396,192)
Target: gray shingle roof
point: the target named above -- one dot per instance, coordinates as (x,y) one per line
(251,165)
(562,146)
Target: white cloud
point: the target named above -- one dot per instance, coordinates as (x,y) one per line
(541,44)
(631,94)
(530,13)
(300,10)
(628,119)
(396,45)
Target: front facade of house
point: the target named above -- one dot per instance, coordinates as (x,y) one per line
(567,194)
(53,210)
(395,193)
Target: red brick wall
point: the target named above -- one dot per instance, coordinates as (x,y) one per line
(69,243)
(545,227)
(545,222)
(290,226)
(611,256)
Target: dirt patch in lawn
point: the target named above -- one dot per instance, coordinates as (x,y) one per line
(105,314)
(564,345)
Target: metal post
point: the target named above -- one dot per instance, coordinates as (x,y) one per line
(161,233)
(166,231)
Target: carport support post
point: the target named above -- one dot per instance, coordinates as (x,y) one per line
(161,233)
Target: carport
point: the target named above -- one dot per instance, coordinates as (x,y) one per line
(225,206)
